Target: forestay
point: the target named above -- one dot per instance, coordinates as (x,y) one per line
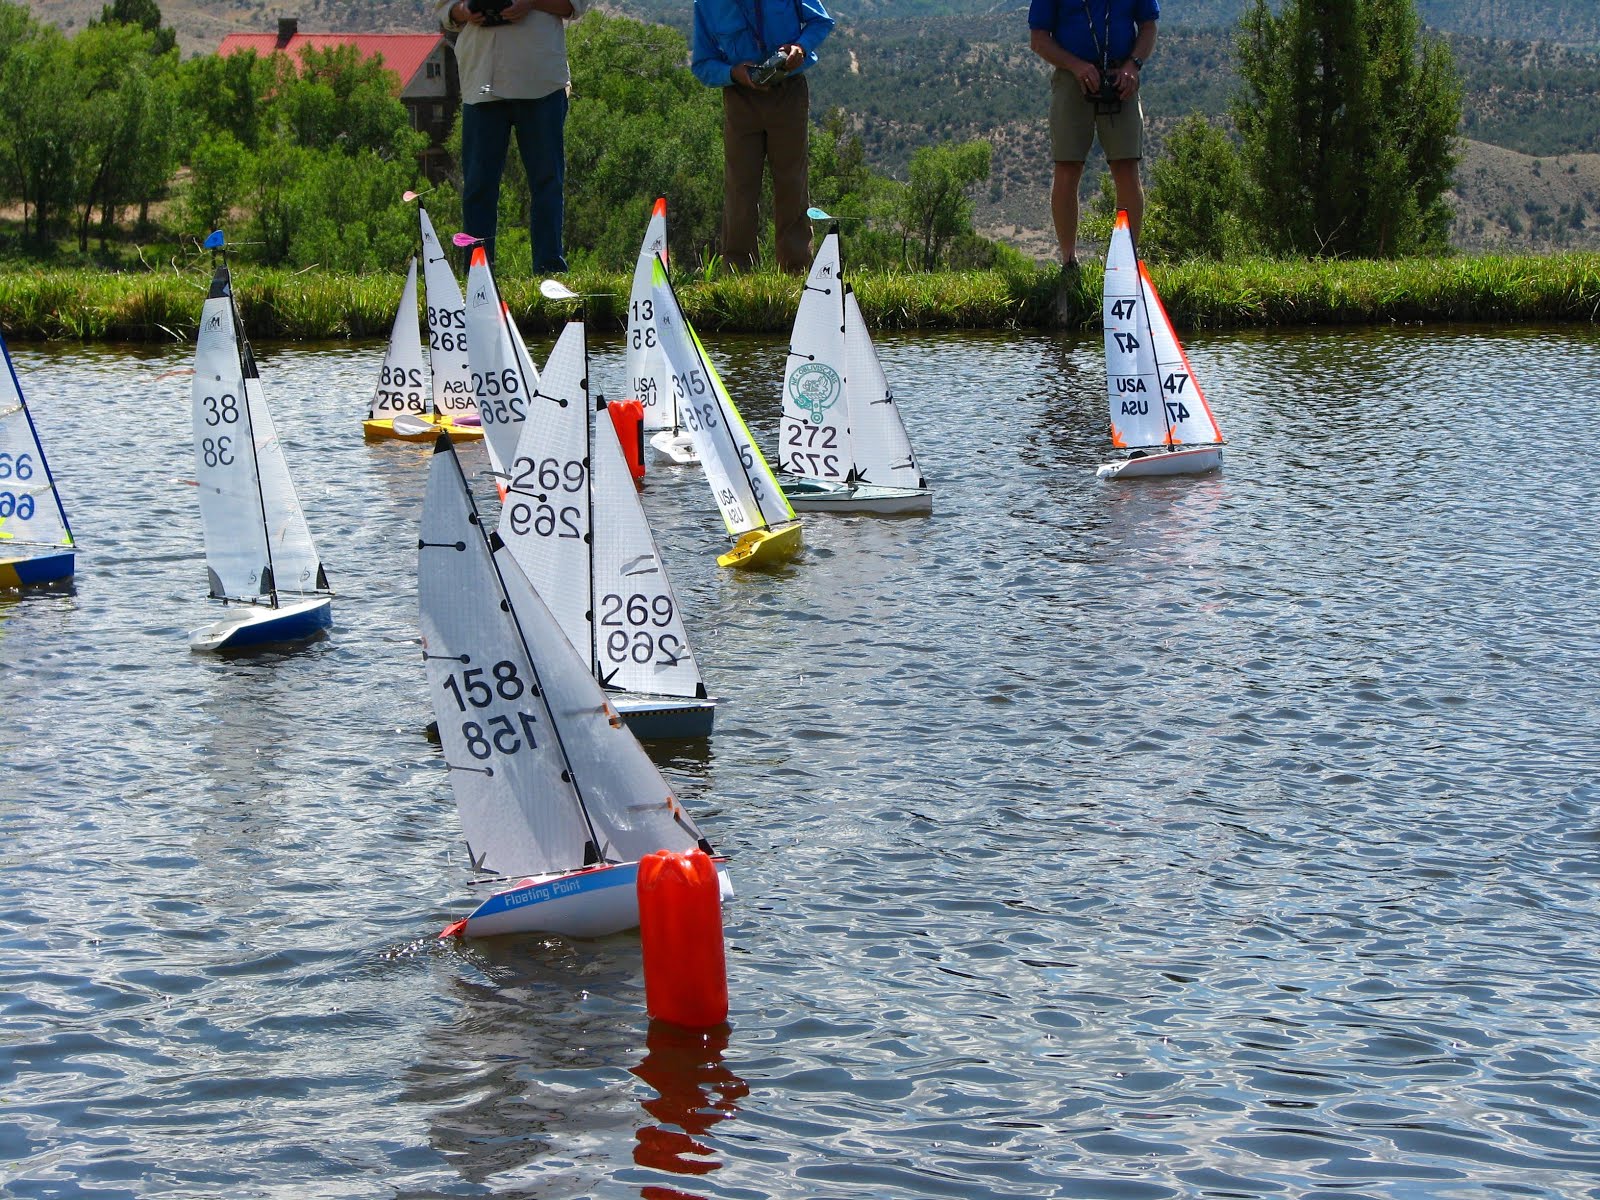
(30,508)
(641,643)
(400,388)
(814,433)
(545,514)
(879,443)
(746,492)
(447,330)
(225,464)
(546,777)
(1153,396)
(647,369)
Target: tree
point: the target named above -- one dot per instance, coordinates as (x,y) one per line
(1197,195)
(935,206)
(1347,119)
(146,14)
(41,139)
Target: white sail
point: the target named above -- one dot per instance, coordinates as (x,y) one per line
(447,330)
(746,491)
(503,375)
(814,434)
(647,369)
(545,775)
(400,386)
(545,513)
(878,439)
(1187,412)
(295,564)
(224,460)
(641,643)
(30,508)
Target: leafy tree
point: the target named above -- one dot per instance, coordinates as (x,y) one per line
(41,137)
(1347,119)
(219,174)
(146,14)
(1197,195)
(934,206)
(228,94)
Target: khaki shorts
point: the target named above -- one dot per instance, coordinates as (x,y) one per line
(1074,124)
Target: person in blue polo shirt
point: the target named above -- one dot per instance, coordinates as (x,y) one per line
(1098,49)
(757,52)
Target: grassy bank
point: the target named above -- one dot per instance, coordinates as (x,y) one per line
(85,305)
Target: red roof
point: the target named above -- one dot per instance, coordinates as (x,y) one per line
(403,53)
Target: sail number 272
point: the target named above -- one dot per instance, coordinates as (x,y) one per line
(477,688)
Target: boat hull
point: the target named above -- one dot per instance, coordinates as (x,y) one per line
(417,429)
(39,570)
(765,547)
(256,625)
(1196,461)
(810,495)
(593,902)
(665,717)
(672,449)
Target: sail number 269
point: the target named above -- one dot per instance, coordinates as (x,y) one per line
(478,688)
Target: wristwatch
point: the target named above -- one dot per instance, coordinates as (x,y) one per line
(1136,61)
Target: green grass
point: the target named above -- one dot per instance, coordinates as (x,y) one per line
(85,304)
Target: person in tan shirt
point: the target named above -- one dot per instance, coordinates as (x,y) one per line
(513,63)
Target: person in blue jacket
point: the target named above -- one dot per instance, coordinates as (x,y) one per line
(1098,49)
(757,52)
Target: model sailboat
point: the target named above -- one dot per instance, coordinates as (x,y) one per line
(1160,421)
(36,546)
(259,553)
(842,443)
(648,381)
(753,506)
(572,518)
(402,406)
(503,374)
(557,798)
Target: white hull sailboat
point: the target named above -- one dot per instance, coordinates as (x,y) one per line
(648,382)
(503,375)
(402,406)
(572,517)
(1160,421)
(259,554)
(36,546)
(842,444)
(557,799)
(754,509)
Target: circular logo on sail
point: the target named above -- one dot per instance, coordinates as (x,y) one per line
(815,387)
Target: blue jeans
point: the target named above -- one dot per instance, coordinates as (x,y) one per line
(485,135)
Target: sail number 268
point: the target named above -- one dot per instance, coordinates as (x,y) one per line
(478,688)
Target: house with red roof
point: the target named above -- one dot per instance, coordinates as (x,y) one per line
(430,88)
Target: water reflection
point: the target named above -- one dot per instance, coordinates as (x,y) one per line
(694,1093)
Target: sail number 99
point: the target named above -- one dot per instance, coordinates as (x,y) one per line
(13,505)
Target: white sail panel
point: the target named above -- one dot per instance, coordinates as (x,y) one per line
(519,807)
(545,513)
(741,481)
(224,459)
(295,564)
(447,329)
(647,369)
(641,643)
(1187,412)
(878,438)
(400,387)
(630,806)
(1137,416)
(30,509)
(814,433)
(502,378)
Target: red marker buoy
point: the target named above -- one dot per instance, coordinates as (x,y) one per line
(680,926)
(628,418)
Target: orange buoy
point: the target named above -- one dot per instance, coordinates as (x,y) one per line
(680,926)
(628,418)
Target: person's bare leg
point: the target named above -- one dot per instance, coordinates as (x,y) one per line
(1064,207)
(1130,191)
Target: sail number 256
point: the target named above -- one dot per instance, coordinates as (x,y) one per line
(477,688)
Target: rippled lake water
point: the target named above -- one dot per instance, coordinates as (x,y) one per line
(1230,836)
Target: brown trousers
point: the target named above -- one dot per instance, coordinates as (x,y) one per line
(761,128)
